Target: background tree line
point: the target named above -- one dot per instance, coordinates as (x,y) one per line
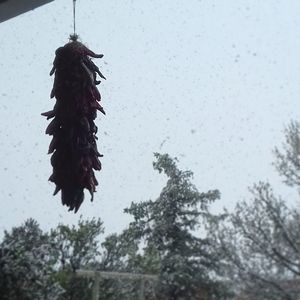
(252,252)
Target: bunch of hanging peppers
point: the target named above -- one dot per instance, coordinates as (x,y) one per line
(74,150)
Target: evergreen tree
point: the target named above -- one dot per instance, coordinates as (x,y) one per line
(185,261)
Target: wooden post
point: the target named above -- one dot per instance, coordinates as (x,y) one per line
(142,289)
(95,295)
(97,275)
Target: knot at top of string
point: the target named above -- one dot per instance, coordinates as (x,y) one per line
(73,37)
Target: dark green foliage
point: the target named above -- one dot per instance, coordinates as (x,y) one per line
(40,266)
(185,261)
(27,262)
(77,247)
(167,238)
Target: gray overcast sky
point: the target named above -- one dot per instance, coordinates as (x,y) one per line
(211,82)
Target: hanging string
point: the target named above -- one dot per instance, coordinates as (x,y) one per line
(74,36)
(74,16)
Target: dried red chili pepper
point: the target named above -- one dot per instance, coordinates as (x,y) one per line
(75,155)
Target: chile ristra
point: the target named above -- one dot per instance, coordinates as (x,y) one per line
(74,150)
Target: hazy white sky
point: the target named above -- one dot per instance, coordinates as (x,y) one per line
(211,82)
